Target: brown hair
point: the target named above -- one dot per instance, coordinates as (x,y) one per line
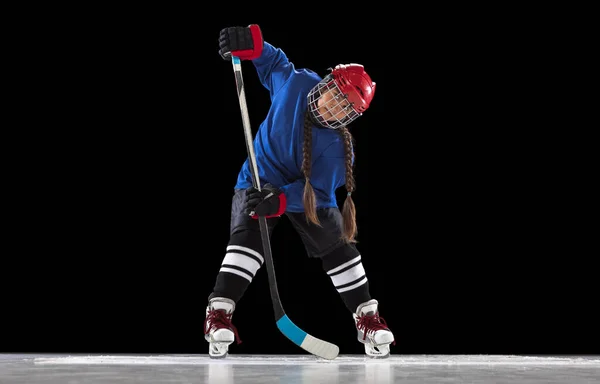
(310,203)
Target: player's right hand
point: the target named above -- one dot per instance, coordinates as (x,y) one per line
(243,42)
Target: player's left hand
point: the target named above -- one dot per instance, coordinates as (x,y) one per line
(268,202)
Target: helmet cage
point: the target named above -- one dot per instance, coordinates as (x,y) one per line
(339,109)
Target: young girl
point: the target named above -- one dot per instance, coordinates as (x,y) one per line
(303,154)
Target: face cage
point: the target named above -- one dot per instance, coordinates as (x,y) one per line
(342,116)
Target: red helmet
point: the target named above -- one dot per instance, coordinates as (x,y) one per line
(353,84)
(353,81)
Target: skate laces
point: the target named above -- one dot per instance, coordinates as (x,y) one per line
(371,324)
(218,319)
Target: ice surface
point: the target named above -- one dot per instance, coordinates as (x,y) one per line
(459,360)
(296,369)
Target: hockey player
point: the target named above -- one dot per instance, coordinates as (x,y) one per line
(304,153)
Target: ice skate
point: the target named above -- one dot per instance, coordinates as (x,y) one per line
(218,329)
(372,330)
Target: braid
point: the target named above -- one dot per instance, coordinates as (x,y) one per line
(349,209)
(309,198)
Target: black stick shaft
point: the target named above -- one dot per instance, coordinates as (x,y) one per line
(262,221)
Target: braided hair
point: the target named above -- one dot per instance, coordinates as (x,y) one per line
(349,231)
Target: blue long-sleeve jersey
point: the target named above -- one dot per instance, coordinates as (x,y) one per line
(279,139)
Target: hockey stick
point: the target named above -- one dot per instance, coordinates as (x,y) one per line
(307,342)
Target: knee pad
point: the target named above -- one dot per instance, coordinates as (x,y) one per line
(345,269)
(248,239)
(340,256)
(244,255)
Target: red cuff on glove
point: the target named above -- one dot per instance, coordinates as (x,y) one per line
(251,54)
(282,206)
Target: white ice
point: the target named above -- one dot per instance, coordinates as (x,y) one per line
(296,369)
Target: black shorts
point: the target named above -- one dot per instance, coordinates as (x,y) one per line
(318,241)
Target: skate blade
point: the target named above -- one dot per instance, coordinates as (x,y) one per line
(218,350)
(377,351)
(218,356)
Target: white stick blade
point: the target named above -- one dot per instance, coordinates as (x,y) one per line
(320,347)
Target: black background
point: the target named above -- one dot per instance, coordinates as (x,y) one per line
(129,143)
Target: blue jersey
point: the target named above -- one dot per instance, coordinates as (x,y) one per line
(279,139)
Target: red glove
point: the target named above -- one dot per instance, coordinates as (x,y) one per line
(268,202)
(243,42)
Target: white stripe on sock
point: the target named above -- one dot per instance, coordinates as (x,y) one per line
(242,261)
(358,284)
(236,272)
(245,249)
(334,270)
(348,276)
